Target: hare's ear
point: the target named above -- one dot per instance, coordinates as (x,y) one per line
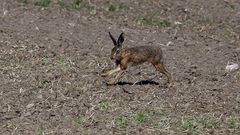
(113,39)
(120,39)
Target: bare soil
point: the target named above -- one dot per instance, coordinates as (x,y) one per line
(51,59)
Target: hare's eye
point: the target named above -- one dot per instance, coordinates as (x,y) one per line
(118,50)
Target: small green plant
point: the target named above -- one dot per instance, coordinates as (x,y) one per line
(24,1)
(233,123)
(92,9)
(188,124)
(42,132)
(121,122)
(159,119)
(64,5)
(114,7)
(104,105)
(44,84)
(62,63)
(77,3)
(209,123)
(43,3)
(80,120)
(140,118)
(46,61)
(153,22)
(195,125)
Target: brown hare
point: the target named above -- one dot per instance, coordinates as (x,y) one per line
(125,57)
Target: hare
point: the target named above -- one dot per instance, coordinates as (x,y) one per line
(134,56)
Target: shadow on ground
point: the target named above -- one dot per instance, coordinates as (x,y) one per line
(142,82)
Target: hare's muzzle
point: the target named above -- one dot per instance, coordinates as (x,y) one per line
(112,55)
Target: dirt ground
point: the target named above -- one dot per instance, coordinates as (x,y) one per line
(51,58)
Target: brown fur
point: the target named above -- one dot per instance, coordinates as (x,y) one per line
(135,56)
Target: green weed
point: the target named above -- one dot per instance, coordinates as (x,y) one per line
(196,125)
(153,22)
(43,84)
(76,4)
(92,9)
(24,1)
(80,120)
(141,118)
(190,124)
(42,132)
(43,3)
(121,122)
(104,105)
(114,7)
(64,5)
(46,61)
(62,63)
(233,123)
(209,123)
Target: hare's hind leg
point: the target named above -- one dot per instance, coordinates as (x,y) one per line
(160,67)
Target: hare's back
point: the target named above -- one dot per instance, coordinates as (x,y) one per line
(146,50)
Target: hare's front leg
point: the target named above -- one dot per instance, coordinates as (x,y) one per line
(122,68)
(111,72)
(118,76)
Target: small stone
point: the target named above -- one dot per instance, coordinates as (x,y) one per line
(27,114)
(40,96)
(5,12)
(71,24)
(30,105)
(21,90)
(232,67)
(177,23)
(238,49)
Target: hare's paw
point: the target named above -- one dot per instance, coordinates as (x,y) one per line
(104,74)
(111,83)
